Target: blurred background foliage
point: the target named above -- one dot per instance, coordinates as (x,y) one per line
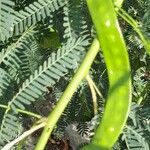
(78,123)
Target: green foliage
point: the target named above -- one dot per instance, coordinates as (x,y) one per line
(17,21)
(136,134)
(29,64)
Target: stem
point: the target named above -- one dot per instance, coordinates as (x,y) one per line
(23,112)
(93,92)
(65,98)
(135,26)
(96,88)
(24,135)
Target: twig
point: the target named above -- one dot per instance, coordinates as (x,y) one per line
(96,89)
(24,135)
(23,112)
(94,97)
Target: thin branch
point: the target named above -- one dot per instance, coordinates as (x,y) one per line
(93,92)
(96,88)
(24,135)
(135,26)
(23,112)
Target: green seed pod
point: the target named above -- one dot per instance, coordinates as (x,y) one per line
(118,68)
